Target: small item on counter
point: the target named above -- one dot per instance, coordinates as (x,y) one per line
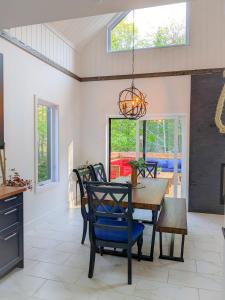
(17,181)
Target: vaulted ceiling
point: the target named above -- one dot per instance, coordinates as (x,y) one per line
(26,12)
(80,31)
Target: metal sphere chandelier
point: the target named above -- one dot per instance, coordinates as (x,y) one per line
(132,102)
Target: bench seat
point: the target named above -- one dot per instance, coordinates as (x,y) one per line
(173,216)
(173,219)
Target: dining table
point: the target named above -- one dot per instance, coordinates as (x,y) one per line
(148,195)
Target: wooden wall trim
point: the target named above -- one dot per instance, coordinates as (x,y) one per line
(51,63)
(38,55)
(151,75)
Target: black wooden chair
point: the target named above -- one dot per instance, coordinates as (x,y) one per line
(98,172)
(83,175)
(108,228)
(149,171)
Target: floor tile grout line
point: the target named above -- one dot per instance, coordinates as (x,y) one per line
(168,273)
(57,265)
(33,294)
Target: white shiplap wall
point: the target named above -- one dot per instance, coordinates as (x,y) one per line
(49,43)
(206,48)
(82,30)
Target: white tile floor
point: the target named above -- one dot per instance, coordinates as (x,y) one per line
(56,265)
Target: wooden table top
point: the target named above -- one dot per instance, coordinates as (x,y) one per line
(8,191)
(149,197)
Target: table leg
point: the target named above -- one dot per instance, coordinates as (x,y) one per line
(76,191)
(154,220)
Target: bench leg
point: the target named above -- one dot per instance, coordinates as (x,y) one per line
(160,244)
(171,255)
(182,248)
(172,245)
(155,217)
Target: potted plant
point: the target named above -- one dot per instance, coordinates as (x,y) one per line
(135,165)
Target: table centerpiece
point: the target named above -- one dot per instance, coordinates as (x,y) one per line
(135,165)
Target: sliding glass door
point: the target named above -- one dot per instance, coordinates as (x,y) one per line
(156,140)
(161,142)
(122,146)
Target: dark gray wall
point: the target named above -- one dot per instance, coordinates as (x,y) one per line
(207,145)
(1,104)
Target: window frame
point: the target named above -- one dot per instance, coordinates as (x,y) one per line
(122,15)
(54,145)
(183,117)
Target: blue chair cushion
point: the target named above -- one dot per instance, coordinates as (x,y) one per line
(171,164)
(118,209)
(179,163)
(100,208)
(149,160)
(163,163)
(116,235)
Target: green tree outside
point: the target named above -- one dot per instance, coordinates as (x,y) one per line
(122,36)
(169,35)
(123,135)
(159,136)
(43,159)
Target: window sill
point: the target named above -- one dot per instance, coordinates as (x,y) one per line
(44,187)
(109,50)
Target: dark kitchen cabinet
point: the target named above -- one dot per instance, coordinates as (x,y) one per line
(11,229)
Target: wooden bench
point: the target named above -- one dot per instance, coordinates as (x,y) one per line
(172,219)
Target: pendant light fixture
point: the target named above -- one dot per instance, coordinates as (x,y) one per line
(132,102)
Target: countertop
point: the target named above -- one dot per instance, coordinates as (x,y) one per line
(8,191)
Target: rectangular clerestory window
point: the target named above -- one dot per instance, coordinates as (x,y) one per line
(154,27)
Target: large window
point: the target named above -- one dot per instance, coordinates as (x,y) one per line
(46,143)
(159,26)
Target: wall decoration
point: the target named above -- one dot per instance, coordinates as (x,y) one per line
(219,110)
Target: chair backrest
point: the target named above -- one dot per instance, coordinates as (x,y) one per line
(107,200)
(98,172)
(83,175)
(149,171)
